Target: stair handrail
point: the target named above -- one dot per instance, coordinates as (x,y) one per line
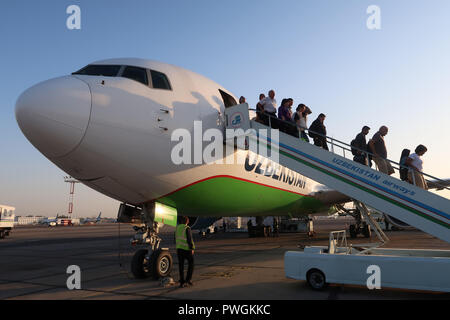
(332,141)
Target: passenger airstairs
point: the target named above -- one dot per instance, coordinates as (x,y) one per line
(417,207)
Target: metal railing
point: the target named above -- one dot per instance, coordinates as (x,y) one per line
(347,147)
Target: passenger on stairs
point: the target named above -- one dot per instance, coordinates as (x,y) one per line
(318,132)
(361,144)
(269,105)
(378,148)
(283,110)
(415,163)
(260,109)
(287,124)
(300,118)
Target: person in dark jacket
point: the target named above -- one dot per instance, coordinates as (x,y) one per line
(360,143)
(285,114)
(185,250)
(318,131)
(260,109)
(377,146)
(283,111)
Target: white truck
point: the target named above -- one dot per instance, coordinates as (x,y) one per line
(361,264)
(7,217)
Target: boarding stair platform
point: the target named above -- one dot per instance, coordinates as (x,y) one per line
(417,207)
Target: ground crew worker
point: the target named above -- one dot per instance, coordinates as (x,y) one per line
(185,251)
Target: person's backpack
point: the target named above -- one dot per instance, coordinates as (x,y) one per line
(403,167)
(353,144)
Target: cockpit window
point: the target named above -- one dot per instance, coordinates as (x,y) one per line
(135,73)
(99,70)
(160,80)
(153,79)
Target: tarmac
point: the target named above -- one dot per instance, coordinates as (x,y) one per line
(228,266)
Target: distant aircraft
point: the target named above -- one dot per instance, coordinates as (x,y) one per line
(92,220)
(49,222)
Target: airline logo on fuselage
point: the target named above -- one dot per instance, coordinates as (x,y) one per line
(276,171)
(236,119)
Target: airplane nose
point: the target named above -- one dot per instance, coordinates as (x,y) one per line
(54,114)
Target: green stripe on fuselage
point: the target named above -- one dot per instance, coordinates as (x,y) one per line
(226,196)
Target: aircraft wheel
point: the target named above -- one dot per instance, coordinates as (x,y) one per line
(161,264)
(139,264)
(316,279)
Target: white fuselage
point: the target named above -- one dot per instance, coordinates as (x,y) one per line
(114,133)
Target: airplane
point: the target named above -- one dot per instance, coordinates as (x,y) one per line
(92,220)
(49,222)
(110,125)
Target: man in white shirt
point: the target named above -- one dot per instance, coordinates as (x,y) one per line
(269,107)
(269,103)
(416,167)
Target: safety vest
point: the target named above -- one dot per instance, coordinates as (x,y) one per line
(181,239)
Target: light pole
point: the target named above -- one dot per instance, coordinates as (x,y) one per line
(72,182)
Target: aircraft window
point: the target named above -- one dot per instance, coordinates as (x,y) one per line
(228,100)
(99,70)
(160,80)
(135,73)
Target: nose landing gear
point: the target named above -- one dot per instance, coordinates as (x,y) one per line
(154,262)
(158,264)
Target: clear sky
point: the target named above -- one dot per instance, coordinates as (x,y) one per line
(318,52)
